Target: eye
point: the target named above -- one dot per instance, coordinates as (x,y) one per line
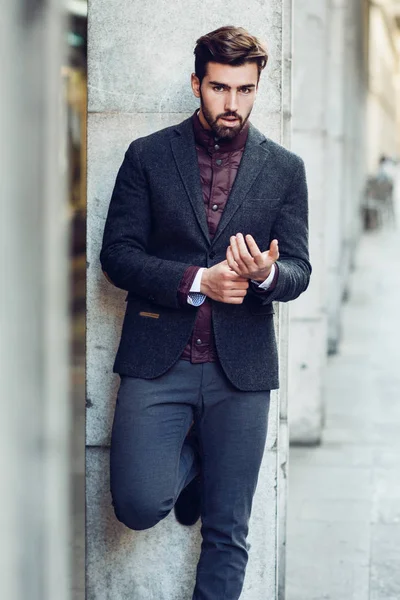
(245,90)
(218,88)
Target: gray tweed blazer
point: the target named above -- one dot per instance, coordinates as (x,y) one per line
(156,227)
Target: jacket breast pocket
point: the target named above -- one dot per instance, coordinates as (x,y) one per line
(256,216)
(263,204)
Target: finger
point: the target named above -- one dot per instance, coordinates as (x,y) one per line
(234,278)
(239,285)
(245,255)
(236,253)
(233,266)
(274,250)
(234,273)
(255,251)
(230,260)
(236,297)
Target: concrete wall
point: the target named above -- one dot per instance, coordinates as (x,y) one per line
(329,126)
(140,60)
(34,426)
(335,111)
(355,144)
(308,323)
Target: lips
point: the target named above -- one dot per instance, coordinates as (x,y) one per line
(229,119)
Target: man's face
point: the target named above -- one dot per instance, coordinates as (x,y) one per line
(227,95)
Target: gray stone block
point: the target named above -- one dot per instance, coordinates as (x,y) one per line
(306,370)
(327,561)
(141,55)
(332,454)
(331,482)
(336,510)
(308,332)
(385,573)
(309,73)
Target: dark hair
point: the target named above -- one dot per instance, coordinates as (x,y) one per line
(230,46)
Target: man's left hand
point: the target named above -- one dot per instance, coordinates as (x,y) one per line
(246,259)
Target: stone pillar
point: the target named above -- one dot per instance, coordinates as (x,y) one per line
(335,111)
(308,322)
(355,147)
(346,126)
(282,441)
(140,60)
(34,425)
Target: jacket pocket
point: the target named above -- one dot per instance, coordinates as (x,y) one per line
(255,307)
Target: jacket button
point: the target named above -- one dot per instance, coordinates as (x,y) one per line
(214,207)
(198,342)
(212,254)
(218,161)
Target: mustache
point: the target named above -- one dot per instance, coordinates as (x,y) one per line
(229,114)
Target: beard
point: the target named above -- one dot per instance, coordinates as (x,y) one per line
(222,131)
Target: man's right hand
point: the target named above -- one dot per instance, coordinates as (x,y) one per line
(224,285)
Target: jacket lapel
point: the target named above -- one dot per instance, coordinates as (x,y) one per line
(185,155)
(253,161)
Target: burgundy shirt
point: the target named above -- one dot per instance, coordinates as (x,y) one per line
(219,162)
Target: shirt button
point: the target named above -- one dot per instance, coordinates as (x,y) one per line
(218,161)
(214,207)
(216,147)
(198,342)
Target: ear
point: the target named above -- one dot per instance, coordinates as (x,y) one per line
(195,83)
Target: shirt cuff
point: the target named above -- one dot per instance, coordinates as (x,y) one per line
(271,279)
(186,284)
(195,287)
(195,297)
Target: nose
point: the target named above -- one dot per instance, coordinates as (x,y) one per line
(231,103)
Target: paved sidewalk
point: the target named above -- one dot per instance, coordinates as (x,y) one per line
(344,496)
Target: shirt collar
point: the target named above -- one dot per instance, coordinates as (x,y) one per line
(207,139)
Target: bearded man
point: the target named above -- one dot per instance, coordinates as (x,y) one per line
(206,227)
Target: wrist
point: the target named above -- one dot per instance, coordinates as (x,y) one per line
(204,287)
(264,276)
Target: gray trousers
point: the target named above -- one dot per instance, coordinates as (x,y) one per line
(152,460)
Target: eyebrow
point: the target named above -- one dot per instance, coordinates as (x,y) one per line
(228,87)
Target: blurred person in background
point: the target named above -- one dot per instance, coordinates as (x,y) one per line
(378,208)
(385,178)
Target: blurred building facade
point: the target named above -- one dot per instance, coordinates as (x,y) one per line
(345,116)
(383,114)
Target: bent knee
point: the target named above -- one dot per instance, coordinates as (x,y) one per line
(139,515)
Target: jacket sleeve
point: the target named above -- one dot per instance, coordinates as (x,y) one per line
(291,230)
(124,257)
